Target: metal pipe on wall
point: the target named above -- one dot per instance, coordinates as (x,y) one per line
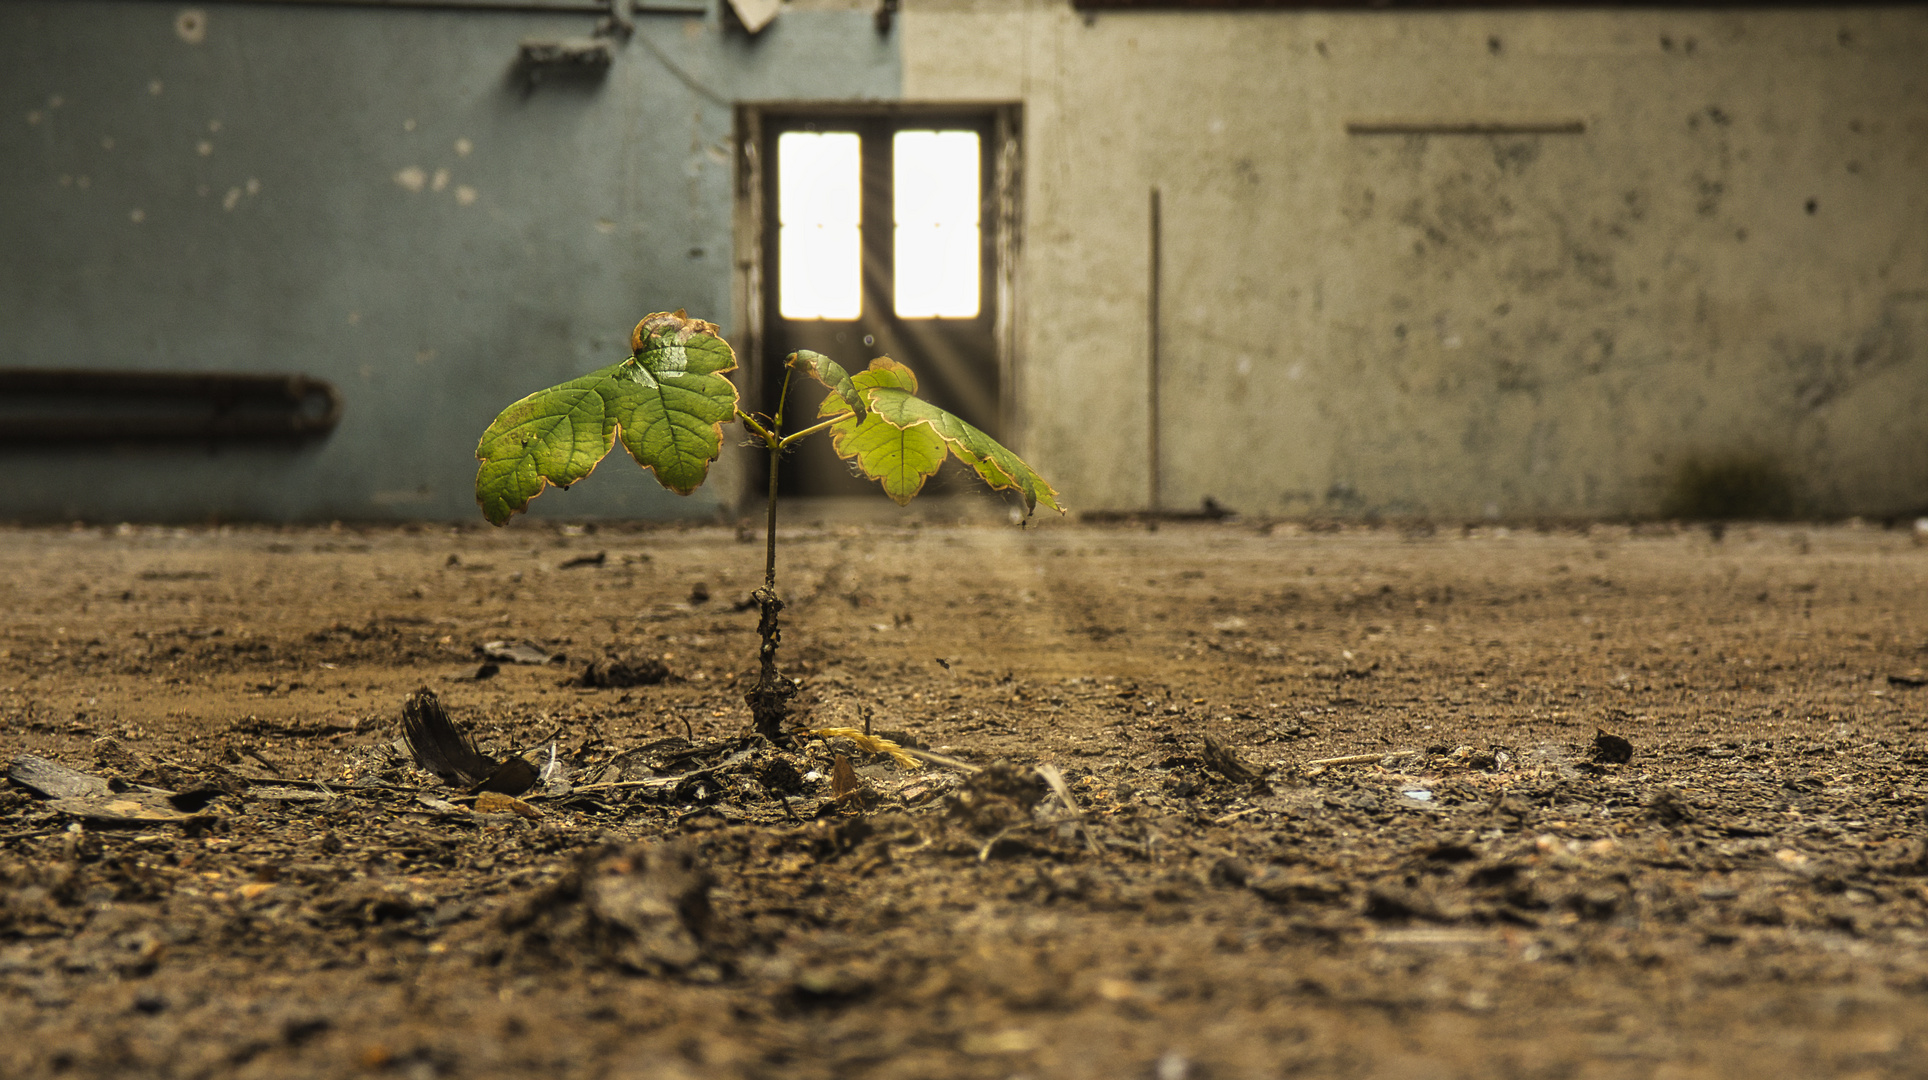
(1151,316)
(41,407)
(516,7)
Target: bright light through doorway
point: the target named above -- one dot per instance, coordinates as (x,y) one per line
(935,179)
(820,245)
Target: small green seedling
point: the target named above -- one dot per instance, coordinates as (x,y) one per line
(668,403)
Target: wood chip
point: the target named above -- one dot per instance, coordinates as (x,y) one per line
(1225,761)
(53,780)
(129,808)
(494,802)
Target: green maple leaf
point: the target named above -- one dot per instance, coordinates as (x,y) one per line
(901,441)
(899,458)
(999,467)
(668,402)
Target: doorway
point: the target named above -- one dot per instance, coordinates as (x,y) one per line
(878,232)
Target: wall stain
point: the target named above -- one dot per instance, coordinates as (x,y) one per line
(1729,486)
(1824,373)
(1512,376)
(1707,195)
(1513,156)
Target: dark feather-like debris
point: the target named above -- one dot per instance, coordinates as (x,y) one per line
(1226,762)
(513,777)
(438,746)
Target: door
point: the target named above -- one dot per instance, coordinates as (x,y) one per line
(879,239)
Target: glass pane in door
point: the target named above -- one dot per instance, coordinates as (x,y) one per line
(938,253)
(819,238)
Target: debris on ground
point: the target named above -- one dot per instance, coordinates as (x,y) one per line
(224,853)
(609,672)
(1611,749)
(519,652)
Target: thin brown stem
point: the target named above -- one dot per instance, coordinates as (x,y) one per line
(769,699)
(770,524)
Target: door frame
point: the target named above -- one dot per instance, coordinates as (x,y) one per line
(751,225)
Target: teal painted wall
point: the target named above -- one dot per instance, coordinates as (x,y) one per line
(368,197)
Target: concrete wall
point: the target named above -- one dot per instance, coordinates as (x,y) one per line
(368,197)
(1451,325)
(1726,274)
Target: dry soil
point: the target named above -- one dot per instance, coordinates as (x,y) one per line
(1482,891)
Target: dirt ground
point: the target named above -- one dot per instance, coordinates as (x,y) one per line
(1482,892)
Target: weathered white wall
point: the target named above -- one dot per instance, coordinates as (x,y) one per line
(1465,325)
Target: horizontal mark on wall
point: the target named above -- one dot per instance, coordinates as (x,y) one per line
(1466,127)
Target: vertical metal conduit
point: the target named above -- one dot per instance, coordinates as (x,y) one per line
(1151,315)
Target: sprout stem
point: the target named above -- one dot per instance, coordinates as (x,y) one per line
(769,699)
(788,439)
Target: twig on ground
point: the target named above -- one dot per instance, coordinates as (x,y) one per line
(649,782)
(1353,759)
(1055,780)
(940,759)
(661,782)
(30,834)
